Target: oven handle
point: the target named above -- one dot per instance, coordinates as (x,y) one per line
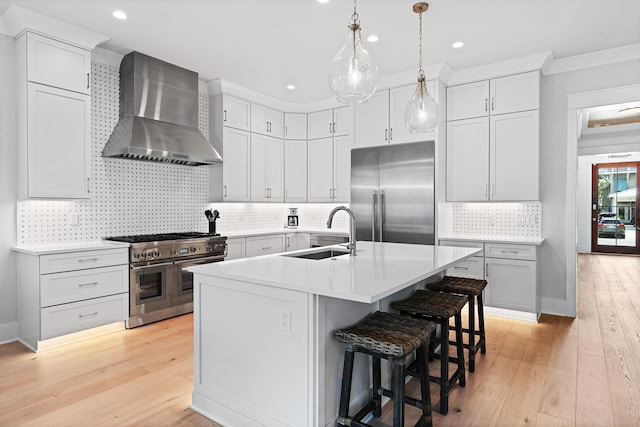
(203,260)
(163,264)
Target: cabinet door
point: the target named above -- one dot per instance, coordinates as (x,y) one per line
(235,168)
(303,240)
(235,248)
(58,64)
(275,121)
(320,170)
(520,92)
(372,121)
(468,101)
(259,119)
(58,148)
(343,121)
(320,124)
(275,169)
(290,243)
(295,171)
(264,245)
(511,284)
(342,169)
(514,156)
(399,98)
(236,113)
(295,126)
(259,190)
(468,160)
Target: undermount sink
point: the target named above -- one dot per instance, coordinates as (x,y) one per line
(323,254)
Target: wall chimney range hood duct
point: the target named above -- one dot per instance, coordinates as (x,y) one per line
(158,115)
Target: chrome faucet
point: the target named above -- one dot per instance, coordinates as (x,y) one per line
(352,227)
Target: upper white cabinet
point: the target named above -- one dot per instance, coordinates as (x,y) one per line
(54,63)
(295,126)
(267,169)
(236,113)
(380,120)
(328,123)
(295,170)
(519,92)
(267,121)
(235,171)
(493,139)
(329,169)
(54,118)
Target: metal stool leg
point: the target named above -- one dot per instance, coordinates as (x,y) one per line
(398,394)
(472,335)
(460,349)
(377,385)
(483,346)
(425,419)
(345,390)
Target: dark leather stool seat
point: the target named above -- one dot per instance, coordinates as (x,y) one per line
(393,337)
(440,307)
(472,288)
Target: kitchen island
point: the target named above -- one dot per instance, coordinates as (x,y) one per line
(263,349)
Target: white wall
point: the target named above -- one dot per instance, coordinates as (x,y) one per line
(8,291)
(553,165)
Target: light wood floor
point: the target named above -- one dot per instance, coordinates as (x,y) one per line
(559,372)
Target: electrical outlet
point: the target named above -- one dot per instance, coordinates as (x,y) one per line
(285,319)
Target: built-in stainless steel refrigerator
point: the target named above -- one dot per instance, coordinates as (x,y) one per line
(392,193)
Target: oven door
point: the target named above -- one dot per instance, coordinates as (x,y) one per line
(149,286)
(182,287)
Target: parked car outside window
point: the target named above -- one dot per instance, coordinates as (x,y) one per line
(611,227)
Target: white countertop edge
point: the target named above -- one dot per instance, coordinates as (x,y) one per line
(269,231)
(63,247)
(537,241)
(368,299)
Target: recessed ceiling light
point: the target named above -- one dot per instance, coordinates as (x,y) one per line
(373,38)
(119,14)
(630,110)
(291,87)
(457,45)
(323,1)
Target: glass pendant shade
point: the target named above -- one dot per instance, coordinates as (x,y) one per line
(353,75)
(421,112)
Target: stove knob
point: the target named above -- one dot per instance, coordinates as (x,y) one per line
(173,252)
(157,253)
(143,255)
(192,249)
(136,255)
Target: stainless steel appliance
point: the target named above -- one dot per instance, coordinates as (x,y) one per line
(159,284)
(392,192)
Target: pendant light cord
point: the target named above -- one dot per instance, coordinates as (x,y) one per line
(420,70)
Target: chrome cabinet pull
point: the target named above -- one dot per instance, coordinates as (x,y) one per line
(485,105)
(493,101)
(88,185)
(267,248)
(374,202)
(88,260)
(88,80)
(386,131)
(225,191)
(390,134)
(334,127)
(330,128)
(486,190)
(224,116)
(85,285)
(82,316)
(487,270)
(457,267)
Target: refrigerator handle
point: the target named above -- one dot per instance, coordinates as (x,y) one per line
(374,201)
(381,215)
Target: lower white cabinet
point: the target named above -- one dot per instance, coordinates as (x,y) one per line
(69,292)
(264,245)
(235,248)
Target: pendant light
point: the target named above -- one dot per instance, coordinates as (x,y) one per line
(421,113)
(353,75)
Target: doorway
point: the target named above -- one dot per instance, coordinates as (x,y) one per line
(614,198)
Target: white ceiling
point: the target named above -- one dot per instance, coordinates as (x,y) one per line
(264,45)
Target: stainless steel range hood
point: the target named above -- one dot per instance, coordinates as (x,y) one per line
(158,115)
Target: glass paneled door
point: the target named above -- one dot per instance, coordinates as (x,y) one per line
(614,199)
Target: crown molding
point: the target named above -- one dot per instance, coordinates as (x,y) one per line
(594,59)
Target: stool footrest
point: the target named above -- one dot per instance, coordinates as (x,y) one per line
(407,399)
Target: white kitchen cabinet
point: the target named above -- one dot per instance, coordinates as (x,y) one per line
(264,245)
(236,113)
(511,277)
(267,121)
(468,160)
(290,242)
(295,126)
(329,166)
(333,122)
(472,267)
(303,240)
(380,120)
(235,248)
(54,119)
(267,169)
(235,168)
(58,64)
(68,292)
(295,171)
(510,94)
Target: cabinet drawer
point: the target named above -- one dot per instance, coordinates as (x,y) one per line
(256,246)
(71,286)
(77,316)
(471,267)
(464,244)
(501,250)
(56,263)
(235,249)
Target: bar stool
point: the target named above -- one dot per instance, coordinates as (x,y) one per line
(439,307)
(472,288)
(393,337)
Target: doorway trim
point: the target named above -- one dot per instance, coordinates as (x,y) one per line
(575,103)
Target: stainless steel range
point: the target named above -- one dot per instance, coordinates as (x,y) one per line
(160,285)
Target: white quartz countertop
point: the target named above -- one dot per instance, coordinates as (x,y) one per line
(493,239)
(378,270)
(53,248)
(267,231)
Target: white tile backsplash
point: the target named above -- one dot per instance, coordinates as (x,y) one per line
(497,219)
(137,197)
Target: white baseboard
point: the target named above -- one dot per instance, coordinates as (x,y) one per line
(512,314)
(554,306)
(8,332)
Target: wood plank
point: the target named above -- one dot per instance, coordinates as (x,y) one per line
(593,403)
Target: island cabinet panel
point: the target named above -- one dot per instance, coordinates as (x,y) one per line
(263,369)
